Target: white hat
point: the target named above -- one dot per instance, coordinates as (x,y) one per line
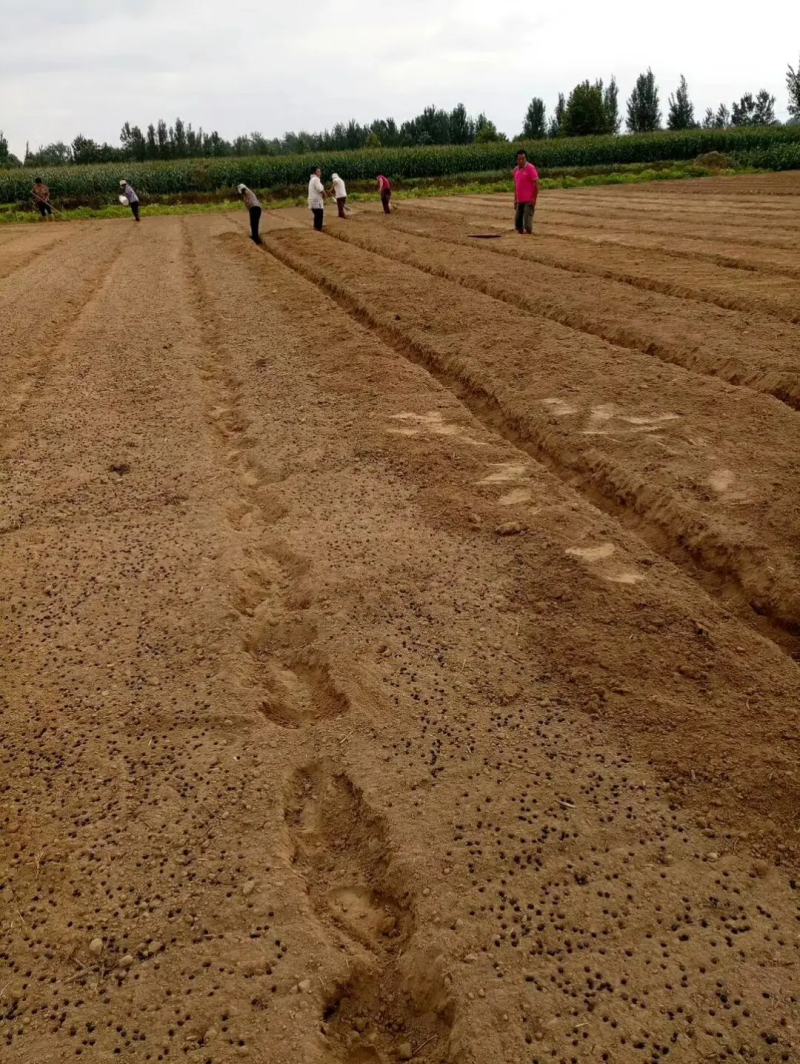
(334,177)
(123,182)
(240,188)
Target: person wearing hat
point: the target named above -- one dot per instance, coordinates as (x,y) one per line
(131,197)
(339,193)
(254,207)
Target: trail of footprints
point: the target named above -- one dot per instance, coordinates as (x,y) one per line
(379,1013)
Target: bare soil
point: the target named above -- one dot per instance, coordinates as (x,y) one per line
(400,633)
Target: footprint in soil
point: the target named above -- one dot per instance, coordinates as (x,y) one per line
(384,1011)
(298,691)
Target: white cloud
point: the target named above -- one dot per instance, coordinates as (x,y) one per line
(70,66)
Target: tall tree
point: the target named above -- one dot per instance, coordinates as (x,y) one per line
(793,85)
(486,131)
(133,142)
(611,105)
(644,113)
(162,137)
(179,139)
(6,158)
(585,113)
(461,126)
(85,150)
(534,127)
(557,121)
(681,108)
(765,109)
(752,110)
(57,154)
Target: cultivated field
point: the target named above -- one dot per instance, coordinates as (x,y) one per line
(400,634)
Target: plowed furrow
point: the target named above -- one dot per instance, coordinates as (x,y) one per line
(759,354)
(649,271)
(656,446)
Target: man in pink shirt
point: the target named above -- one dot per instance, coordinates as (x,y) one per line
(526,189)
(385,190)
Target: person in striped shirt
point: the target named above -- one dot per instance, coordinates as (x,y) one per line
(254,208)
(131,197)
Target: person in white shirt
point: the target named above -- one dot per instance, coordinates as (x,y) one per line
(339,193)
(316,198)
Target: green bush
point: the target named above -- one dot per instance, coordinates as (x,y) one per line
(769,147)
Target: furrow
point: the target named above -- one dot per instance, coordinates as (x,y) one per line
(648,273)
(722,347)
(34,330)
(749,568)
(22,251)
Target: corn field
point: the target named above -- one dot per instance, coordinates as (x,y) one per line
(768,147)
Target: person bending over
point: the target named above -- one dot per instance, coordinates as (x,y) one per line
(254,208)
(385,190)
(339,193)
(131,197)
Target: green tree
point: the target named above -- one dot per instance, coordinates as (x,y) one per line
(557,121)
(793,85)
(644,113)
(486,131)
(611,106)
(7,160)
(585,113)
(765,109)
(179,145)
(57,154)
(534,127)
(681,108)
(85,150)
(461,126)
(133,142)
(373,140)
(752,110)
(162,138)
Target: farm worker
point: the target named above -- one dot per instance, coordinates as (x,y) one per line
(316,198)
(131,197)
(385,190)
(526,189)
(339,194)
(41,197)
(254,207)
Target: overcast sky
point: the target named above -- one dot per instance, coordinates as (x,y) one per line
(85,66)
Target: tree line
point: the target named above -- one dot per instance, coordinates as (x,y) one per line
(591,108)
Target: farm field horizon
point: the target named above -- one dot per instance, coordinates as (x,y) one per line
(400,632)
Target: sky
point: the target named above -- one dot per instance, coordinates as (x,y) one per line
(86,66)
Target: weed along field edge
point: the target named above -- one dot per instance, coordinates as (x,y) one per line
(400,632)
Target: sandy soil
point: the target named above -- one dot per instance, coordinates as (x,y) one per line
(399,634)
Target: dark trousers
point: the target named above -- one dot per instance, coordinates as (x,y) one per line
(255,220)
(340,203)
(523,217)
(44,209)
(319,215)
(386,195)
(135,211)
